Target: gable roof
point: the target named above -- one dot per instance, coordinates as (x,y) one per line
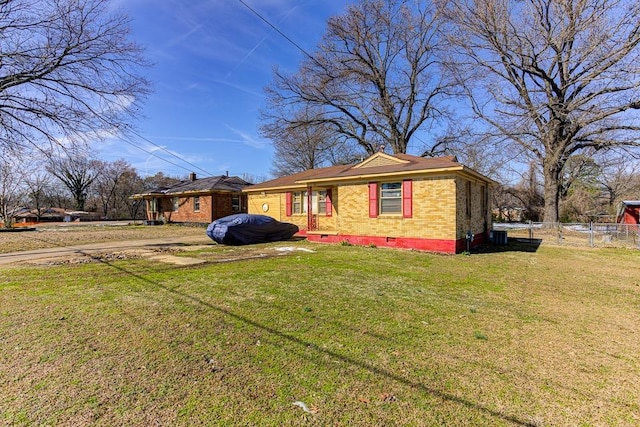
(221,183)
(379,165)
(380,159)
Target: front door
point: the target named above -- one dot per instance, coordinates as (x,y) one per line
(319,206)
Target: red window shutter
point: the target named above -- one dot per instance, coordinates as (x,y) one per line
(407,198)
(373,200)
(329,204)
(288,203)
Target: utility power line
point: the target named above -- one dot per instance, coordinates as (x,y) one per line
(166,151)
(304,51)
(133,144)
(278,30)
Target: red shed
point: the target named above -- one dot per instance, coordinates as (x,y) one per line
(629,212)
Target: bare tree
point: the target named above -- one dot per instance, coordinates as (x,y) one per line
(60,196)
(67,70)
(579,190)
(475,150)
(76,171)
(301,147)
(124,206)
(528,192)
(159,180)
(581,205)
(505,207)
(12,174)
(254,179)
(578,170)
(112,189)
(555,77)
(39,187)
(376,78)
(108,182)
(619,180)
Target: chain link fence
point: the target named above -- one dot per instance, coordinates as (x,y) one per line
(575,234)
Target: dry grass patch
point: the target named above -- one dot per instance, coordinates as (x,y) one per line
(60,236)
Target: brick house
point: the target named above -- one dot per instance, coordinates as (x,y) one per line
(396,200)
(197,200)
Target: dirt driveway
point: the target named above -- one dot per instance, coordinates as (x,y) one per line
(150,248)
(56,243)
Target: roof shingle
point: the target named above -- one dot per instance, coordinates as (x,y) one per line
(203,185)
(394,164)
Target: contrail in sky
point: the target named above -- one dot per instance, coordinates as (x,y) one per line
(258,45)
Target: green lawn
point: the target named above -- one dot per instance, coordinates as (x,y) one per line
(361,336)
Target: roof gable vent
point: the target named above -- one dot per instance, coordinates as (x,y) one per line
(380,159)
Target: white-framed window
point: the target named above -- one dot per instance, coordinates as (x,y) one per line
(299,202)
(321,201)
(175,202)
(390,198)
(196,204)
(153,205)
(236,203)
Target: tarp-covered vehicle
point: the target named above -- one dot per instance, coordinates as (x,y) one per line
(247,229)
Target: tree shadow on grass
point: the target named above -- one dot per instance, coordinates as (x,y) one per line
(307,345)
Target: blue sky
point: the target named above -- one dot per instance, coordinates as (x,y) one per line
(212,59)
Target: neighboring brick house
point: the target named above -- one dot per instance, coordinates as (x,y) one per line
(386,200)
(198,200)
(629,212)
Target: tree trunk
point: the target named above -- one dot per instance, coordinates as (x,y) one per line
(551,192)
(80,199)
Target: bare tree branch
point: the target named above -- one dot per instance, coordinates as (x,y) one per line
(76,170)
(67,70)
(557,77)
(377,77)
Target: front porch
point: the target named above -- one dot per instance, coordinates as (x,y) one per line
(321,210)
(321,224)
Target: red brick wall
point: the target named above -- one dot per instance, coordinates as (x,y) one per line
(222,206)
(212,207)
(186,213)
